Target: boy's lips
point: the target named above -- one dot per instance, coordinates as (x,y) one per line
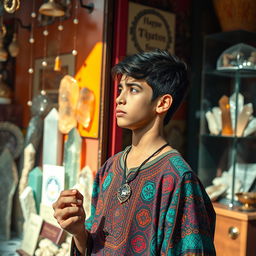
(120,112)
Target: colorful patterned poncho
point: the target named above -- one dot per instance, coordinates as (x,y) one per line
(168,213)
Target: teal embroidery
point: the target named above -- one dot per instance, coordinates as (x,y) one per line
(179,164)
(153,246)
(170,217)
(96,189)
(107,181)
(148,191)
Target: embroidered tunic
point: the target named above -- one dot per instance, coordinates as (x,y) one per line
(168,213)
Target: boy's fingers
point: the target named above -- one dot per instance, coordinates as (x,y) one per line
(68,192)
(71,192)
(63,202)
(66,223)
(63,214)
(78,194)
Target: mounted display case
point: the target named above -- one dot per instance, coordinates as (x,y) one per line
(227,147)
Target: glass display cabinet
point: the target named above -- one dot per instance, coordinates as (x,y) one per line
(227,147)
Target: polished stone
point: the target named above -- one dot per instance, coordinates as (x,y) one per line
(29,160)
(68,96)
(52,141)
(72,159)
(35,182)
(27,203)
(8,183)
(85,108)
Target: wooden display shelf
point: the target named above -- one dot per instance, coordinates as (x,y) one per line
(235,232)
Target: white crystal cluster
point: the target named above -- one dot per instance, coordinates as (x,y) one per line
(246,122)
(48,248)
(223,184)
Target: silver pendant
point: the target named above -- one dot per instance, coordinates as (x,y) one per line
(124,192)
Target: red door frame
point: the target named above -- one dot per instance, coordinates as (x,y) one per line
(119,51)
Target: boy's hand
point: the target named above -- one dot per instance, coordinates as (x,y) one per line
(69,211)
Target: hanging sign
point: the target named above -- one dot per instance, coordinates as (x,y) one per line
(149,28)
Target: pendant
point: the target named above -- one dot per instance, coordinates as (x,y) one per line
(124,192)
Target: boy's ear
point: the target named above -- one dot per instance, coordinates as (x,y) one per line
(164,103)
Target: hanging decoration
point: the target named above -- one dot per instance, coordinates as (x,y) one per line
(11,6)
(14,47)
(2,28)
(57,64)
(45,33)
(75,22)
(3,52)
(53,9)
(32,42)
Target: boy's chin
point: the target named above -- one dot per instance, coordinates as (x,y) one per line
(123,125)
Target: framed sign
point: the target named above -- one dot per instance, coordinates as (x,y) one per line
(149,29)
(49,80)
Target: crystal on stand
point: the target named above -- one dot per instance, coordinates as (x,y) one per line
(85,108)
(72,159)
(52,142)
(8,183)
(68,96)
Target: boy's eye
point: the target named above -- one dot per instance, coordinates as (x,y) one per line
(119,90)
(134,90)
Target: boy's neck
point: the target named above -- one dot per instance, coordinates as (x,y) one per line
(147,140)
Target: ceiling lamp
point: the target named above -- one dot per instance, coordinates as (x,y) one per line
(52,9)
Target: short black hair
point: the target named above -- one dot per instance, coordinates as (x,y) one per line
(163,72)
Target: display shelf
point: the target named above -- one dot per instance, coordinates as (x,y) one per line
(230,73)
(218,153)
(214,137)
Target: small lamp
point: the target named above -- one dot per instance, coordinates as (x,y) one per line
(52,9)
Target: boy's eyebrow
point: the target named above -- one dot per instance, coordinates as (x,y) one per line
(133,84)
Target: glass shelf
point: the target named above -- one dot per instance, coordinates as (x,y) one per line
(231,73)
(227,137)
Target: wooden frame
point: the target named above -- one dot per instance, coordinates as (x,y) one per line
(45,78)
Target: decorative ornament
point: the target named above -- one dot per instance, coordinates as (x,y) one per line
(3,52)
(45,32)
(5,92)
(33,15)
(75,22)
(14,46)
(31,41)
(60,27)
(52,9)
(124,193)
(57,64)
(2,28)
(40,104)
(44,63)
(30,70)
(11,5)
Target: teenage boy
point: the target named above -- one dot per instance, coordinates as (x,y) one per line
(146,199)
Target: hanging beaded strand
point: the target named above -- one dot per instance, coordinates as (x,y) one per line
(75,22)
(57,64)
(32,43)
(44,62)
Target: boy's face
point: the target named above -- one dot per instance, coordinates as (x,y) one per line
(135,109)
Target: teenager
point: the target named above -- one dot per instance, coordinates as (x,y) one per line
(146,199)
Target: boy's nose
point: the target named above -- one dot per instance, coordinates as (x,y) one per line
(120,99)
